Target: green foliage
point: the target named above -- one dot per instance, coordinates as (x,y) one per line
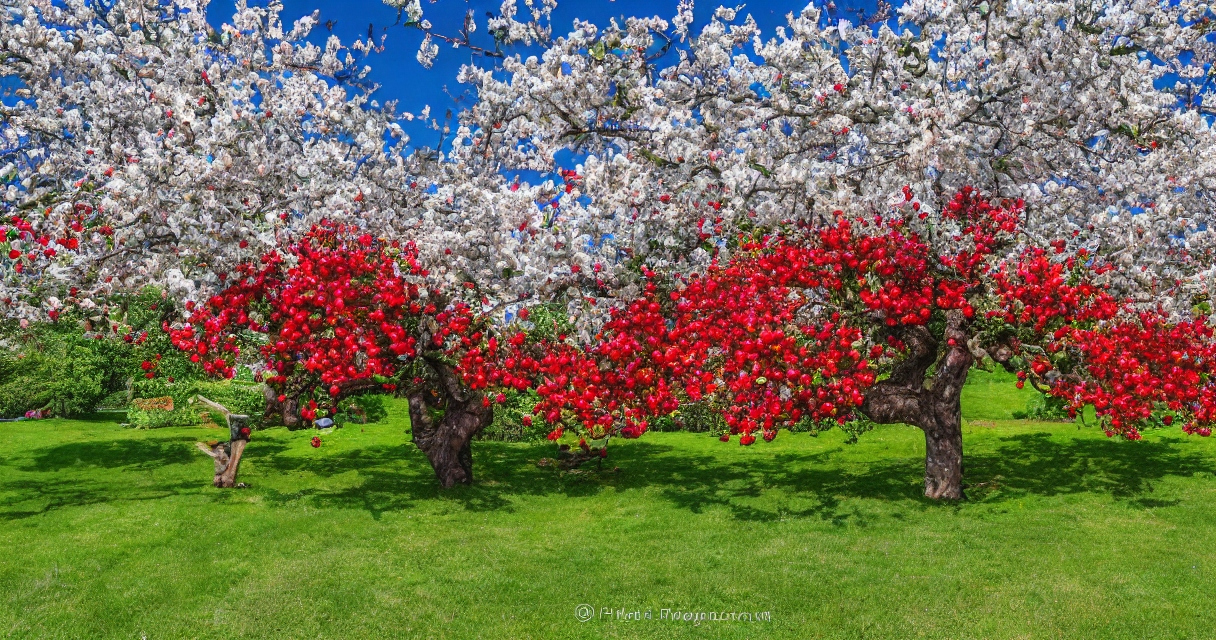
(55,367)
(116,400)
(159,418)
(87,357)
(180,390)
(693,417)
(852,428)
(367,408)
(183,414)
(508,424)
(237,397)
(547,322)
(1045,408)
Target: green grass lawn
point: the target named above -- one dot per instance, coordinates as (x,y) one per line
(108,532)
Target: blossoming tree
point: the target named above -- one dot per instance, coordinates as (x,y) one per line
(721,182)
(341,312)
(1087,116)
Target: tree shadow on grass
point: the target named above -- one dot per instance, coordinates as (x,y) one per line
(396,477)
(103,471)
(781,486)
(1034,463)
(41,496)
(110,454)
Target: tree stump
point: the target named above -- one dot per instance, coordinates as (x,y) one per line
(238,432)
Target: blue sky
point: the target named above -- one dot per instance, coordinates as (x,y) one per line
(403,79)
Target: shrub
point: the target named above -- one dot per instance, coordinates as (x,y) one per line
(851,428)
(694,417)
(87,356)
(237,397)
(362,409)
(157,418)
(57,369)
(1046,408)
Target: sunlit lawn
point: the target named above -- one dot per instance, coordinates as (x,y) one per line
(109,532)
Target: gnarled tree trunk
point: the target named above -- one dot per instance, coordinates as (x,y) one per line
(446,440)
(934,404)
(944,460)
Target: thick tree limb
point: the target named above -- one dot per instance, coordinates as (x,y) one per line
(955,362)
(889,402)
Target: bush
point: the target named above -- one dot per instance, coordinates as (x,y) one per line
(180,390)
(1046,408)
(157,418)
(87,357)
(237,397)
(362,409)
(241,397)
(57,369)
(853,429)
(694,417)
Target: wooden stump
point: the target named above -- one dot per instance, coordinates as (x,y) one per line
(227,456)
(238,431)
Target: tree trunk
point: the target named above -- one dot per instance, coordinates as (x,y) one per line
(288,411)
(944,459)
(283,413)
(934,405)
(446,440)
(291,413)
(944,428)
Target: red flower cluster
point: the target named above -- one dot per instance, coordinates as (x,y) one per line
(572,384)
(794,327)
(1089,348)
(35,246)
(744,344)
(343,308)
(1039,292)
(149,366)
(1132,368)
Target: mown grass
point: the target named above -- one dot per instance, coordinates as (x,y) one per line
(113,533)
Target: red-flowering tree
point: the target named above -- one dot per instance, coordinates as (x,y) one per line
(877,318)
(340,312)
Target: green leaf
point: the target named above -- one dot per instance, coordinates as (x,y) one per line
(762,169)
